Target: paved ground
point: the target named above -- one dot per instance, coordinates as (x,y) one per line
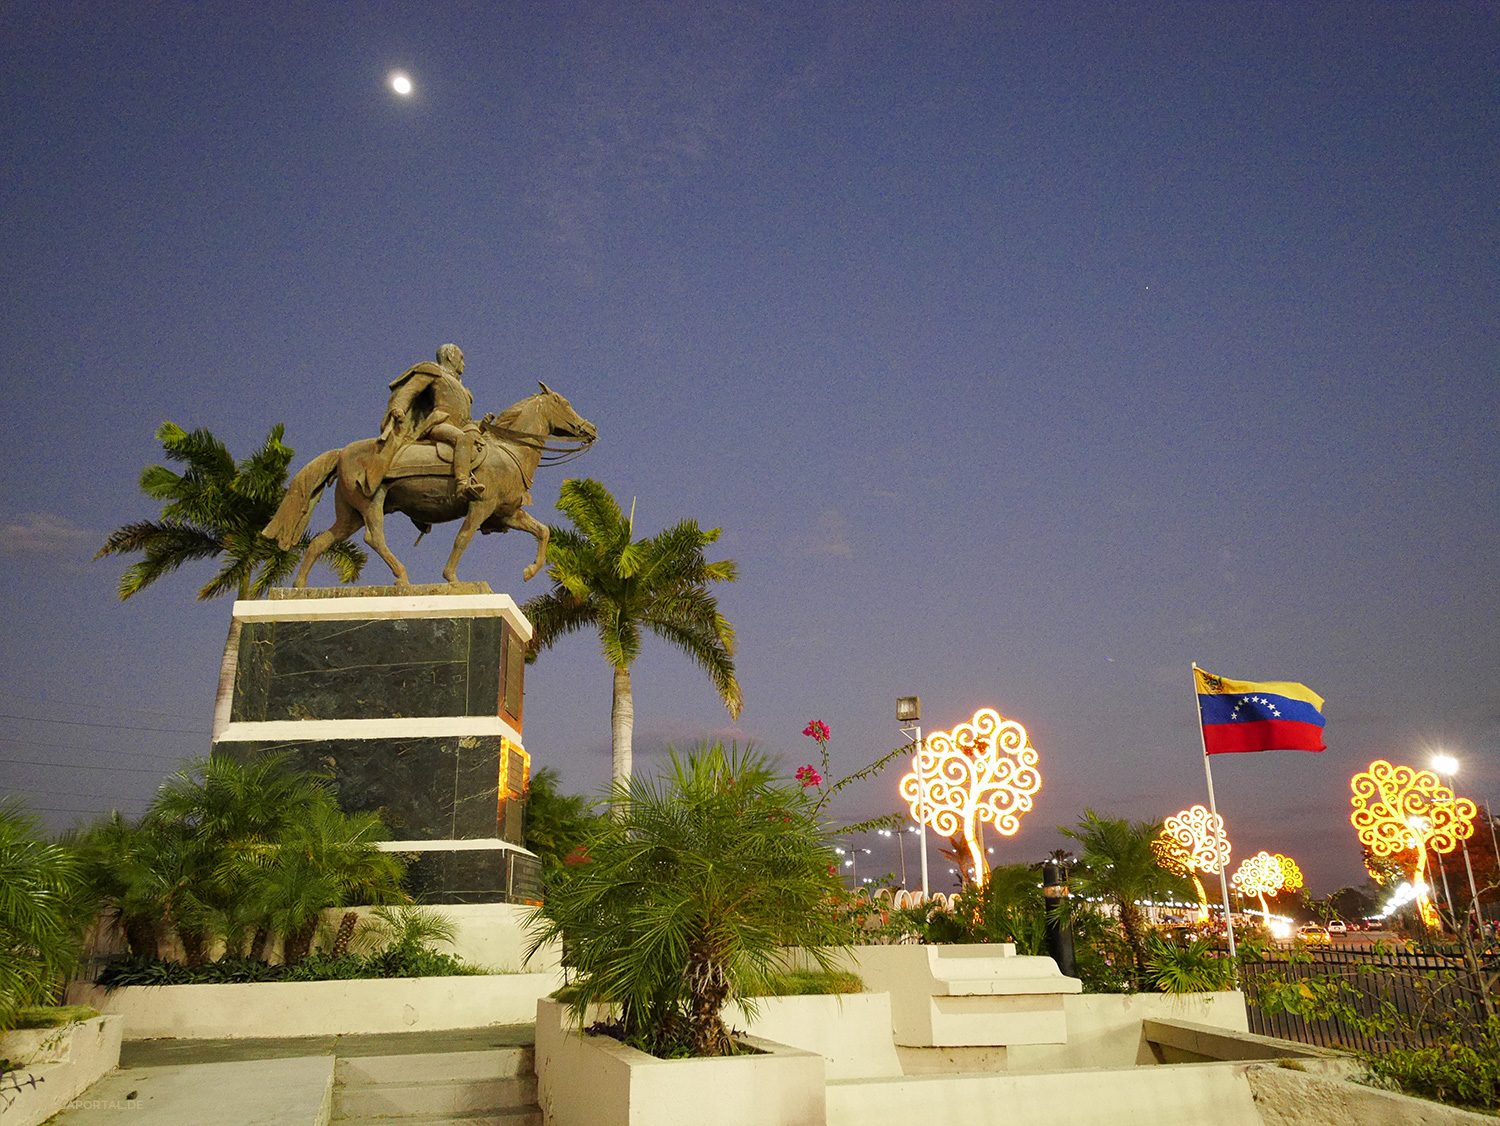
(162,1053)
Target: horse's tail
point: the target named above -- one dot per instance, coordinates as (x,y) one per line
(291,519)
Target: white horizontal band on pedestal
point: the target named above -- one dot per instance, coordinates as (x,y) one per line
(384,607)
(405,727)
(465,844)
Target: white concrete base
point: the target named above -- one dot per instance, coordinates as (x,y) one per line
(1105,1029)
(1288,1097)
(597,1081)
(285,1092)
(64,1062)
(968,995)
(320,1008)
(1172,1095)
(851,1031)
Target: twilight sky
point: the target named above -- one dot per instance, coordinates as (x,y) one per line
(1025,353)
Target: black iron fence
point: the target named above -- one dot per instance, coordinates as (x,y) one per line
(1380,998)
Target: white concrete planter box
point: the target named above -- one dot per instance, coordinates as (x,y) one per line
(64,1061)
(851,1031)
(320,1008)
(1107,1029)
(597,1081)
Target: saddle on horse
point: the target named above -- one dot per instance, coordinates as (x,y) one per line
(431,459)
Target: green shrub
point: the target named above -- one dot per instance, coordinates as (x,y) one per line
(1450,1073)
(1198,967)
(811,983)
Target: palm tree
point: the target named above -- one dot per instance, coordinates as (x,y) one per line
(326,859)
(690,897)
(42,912)
(603,579)
(1119,866)
(216,508)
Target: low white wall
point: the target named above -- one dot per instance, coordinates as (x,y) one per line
(1104,1029)
(851,1031)
(597,1081)
(489,935)
(1169,1095)
(320,1008)
(65,1062)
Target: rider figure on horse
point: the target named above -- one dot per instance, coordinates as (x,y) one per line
(429,403)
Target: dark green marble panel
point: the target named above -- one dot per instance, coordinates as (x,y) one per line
(485,639)
(252,678)
(478,876)
(368,669)
(429,788)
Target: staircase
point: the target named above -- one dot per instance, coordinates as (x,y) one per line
(434,1083)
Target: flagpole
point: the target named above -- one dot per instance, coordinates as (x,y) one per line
(1214,809)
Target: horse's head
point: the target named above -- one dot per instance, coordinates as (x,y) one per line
(561,419)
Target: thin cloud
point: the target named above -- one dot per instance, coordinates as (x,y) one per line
(43,535)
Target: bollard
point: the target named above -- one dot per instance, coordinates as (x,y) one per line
(1059,927)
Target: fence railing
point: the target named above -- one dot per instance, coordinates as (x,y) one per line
(1397,999)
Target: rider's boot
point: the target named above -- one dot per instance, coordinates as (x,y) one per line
(463,461)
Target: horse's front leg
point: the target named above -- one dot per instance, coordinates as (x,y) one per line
(479,511)
(523,521)
(375,535)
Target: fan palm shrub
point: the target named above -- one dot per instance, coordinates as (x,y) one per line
(1118,866)
(686,898)
(43,900)
(326,858)
(602,579)
(215,509)
(1199,966)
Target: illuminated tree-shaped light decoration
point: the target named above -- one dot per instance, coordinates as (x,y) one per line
(1260,875)
(1400,809)
(1191,842)
(1291,875)
(983,770)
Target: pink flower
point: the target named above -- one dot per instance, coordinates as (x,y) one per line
(808,776)
(817,731)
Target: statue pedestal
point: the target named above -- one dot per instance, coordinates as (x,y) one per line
(411,701)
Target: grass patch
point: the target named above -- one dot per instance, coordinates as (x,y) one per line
(53,1016)
(812,983)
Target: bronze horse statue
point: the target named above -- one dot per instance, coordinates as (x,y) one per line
(420,483)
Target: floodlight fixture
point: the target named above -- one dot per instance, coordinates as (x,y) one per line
(908,709)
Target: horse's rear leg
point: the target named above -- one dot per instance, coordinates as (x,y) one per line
(479,512)
(346,522)
(375,535)
(523,521)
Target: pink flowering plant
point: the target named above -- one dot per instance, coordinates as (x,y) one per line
(812,778)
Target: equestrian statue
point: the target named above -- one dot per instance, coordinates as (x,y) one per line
(433,462)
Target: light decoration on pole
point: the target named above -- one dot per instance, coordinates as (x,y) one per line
(1291,875)
(1193,841)
(983,770)
(1398,809)
(1262,875)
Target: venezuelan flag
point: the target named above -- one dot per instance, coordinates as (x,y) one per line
(1246,715)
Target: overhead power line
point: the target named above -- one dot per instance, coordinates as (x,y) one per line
(95,707)
(110,726)
(90,750)
(84,766)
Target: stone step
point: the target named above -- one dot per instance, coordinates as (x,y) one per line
(446,1097)
(516,1116)
(429,1067)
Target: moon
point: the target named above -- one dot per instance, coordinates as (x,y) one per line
(401,83)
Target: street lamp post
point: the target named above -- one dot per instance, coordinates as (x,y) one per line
(1446,764)
(901,842)
(909,715)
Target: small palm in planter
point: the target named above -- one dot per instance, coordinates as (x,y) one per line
(687,898)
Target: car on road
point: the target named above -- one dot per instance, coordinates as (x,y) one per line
(1337,926)
(1313,934)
